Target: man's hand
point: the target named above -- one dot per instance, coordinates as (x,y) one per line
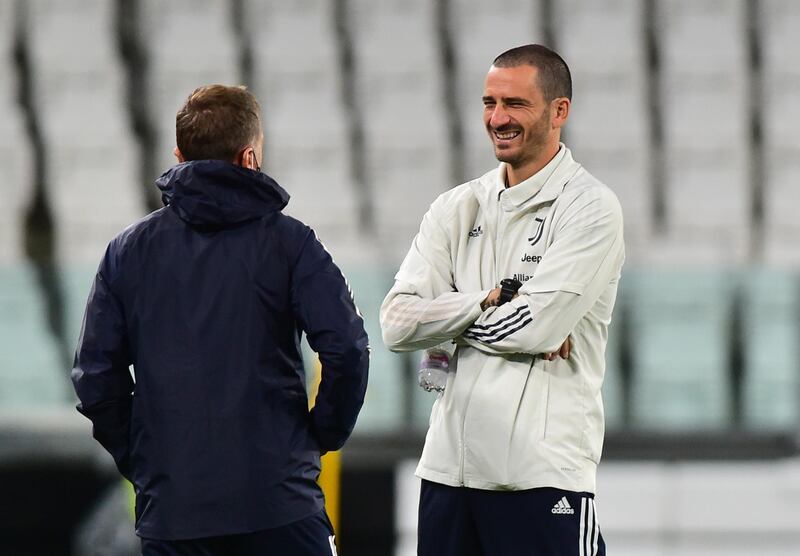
(563,351)
(492,300)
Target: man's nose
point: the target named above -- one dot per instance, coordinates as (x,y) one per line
(499,116)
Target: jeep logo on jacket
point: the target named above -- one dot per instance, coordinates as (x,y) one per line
(508,418)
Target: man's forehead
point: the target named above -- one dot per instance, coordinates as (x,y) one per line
(520,79)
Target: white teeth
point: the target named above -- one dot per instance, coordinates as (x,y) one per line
(507,135)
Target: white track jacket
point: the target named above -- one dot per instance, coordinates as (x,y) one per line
(509,419)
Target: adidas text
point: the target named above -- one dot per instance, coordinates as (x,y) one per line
(562,507)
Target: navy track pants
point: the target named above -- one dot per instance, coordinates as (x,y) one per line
(460,521)
(312,536)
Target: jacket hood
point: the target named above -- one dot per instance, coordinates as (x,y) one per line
(216,194)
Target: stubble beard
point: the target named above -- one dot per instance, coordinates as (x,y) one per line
(531,149)
(528,152)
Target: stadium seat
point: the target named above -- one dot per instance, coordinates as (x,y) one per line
(8,34)
(295,50)
(383,405)
(613,386)
(321,190)
(608,133)
(76,37)
(609,126)
(90,151)
(33,373)
(474,28)
(600,37)
(627,170)
(382,33)
(76,73)
(703,113)
(780,85)
(706,160)
(702,37)
(323,197)
(94,194)
(16,177)
(704,94)
(74,64)
(779,21)
(405,178)
(93,182)
(188,44)
(771,328)
(611,110)
(478,154)
(680,326)
(196,35)
(398,86)
(76,280)
(779,112)
(708,202)
(781,225)
(297,78)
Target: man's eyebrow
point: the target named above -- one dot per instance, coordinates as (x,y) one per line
(508,100)
(517,100)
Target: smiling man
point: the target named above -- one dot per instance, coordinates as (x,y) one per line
(517,267)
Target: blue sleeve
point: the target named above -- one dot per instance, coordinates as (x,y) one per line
(324,307)
(100,372)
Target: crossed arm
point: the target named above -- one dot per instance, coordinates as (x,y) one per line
(493,300)
(411,322)
(422,309)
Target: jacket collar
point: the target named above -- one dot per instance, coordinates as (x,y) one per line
(542,187)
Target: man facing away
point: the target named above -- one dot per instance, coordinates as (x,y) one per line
(514,441)
(207,298)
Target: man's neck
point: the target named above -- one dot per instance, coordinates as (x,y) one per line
(518,175)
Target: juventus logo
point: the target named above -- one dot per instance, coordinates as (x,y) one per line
(538,235)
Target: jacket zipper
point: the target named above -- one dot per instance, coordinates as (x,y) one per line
(497,245)
(464,429)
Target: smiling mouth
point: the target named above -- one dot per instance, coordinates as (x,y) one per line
(506,135)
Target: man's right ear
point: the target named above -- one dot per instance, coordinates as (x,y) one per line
(178,155)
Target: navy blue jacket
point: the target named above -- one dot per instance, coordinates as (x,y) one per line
(207,298)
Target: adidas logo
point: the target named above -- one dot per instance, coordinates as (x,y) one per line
(476,232)
(562,507)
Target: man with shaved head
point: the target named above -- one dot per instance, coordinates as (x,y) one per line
(519,269)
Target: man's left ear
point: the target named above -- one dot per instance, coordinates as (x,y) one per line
(250,160)
(561,111)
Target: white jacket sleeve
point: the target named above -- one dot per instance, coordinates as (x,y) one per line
(585,257)
(423,309)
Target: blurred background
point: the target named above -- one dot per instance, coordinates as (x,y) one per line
(687,109)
